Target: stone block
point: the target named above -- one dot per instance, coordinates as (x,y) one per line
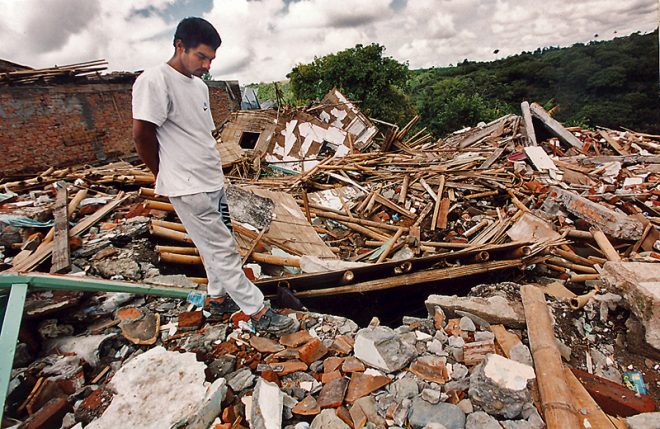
(424,413)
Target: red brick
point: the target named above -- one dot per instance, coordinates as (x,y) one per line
(49,416)
(190,320)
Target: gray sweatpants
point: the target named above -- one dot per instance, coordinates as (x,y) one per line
(206,218)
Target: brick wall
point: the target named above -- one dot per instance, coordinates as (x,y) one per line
(59,125)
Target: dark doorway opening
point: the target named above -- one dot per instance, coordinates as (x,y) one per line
(248,140)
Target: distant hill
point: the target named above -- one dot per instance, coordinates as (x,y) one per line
(612,83)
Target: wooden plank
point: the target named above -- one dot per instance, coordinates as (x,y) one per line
(529,123)
(555,127)
(492,158)
(291,227)
(615,145)
(61,256)
(442,214)
(438,201)
(588,408)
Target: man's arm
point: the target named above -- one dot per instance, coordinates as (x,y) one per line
(146,143)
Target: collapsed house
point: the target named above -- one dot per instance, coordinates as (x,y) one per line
(297,139)
(325,206)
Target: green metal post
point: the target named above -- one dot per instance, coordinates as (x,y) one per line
(8,336)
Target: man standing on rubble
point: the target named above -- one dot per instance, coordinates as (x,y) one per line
(172,127)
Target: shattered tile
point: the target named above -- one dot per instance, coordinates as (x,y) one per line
(358,416)
(290,366)
(327,377)
(362,385)
(352,364)
(332,394)
(307,407)
(332,363)
(265,345)
(190,320)
(296,339)
(344,415)
(342,345)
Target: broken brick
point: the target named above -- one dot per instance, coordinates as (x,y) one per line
(93,405)
(312,351)
(475,352)
(49,416)
(430,368)
(342,345)
(190,320)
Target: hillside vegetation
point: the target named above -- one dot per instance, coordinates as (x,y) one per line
(611,83)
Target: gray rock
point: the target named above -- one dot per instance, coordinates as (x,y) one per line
(456,341)
(459,371)
(499,386)
(380,347)
(465,405)
(644,421)
(405,388)
(241,379)
(435,426)
(423,413)
(441,336)
(327,419)
(516,424)
(222,366)
(481,420)
(178,280)
(520,353)
(483,336)
(401,411)
(435,347)
(466,324)
(431,396)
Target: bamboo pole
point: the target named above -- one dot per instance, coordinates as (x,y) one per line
(390,244)
(364,222)
(556,401)
(578,278)
(181,250)
(575,267)
(257,257)
(170,234)
(604,244)
(572,257)
(158,205)
(169,225)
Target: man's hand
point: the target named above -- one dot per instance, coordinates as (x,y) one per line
(146,143)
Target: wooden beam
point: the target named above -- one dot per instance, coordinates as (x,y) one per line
(529,123)
(61,256)
(555,127)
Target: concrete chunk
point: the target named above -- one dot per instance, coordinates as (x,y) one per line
(380,347)
(499,386)
(612,223)
(267,406)
(495,309)
(145,396)
(639,283)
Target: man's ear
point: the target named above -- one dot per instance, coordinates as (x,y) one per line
(178,45)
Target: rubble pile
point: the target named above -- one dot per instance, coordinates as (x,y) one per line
(572,211)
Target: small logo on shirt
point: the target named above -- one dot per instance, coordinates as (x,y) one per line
(205,107)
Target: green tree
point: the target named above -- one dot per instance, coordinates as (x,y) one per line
(364,75)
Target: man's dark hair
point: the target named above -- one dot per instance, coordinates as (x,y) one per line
(193,31)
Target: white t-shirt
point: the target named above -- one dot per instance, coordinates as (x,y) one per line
(179,106)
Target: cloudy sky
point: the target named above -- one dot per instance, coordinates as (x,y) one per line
(264,39)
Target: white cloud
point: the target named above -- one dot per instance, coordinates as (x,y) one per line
(263,40)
